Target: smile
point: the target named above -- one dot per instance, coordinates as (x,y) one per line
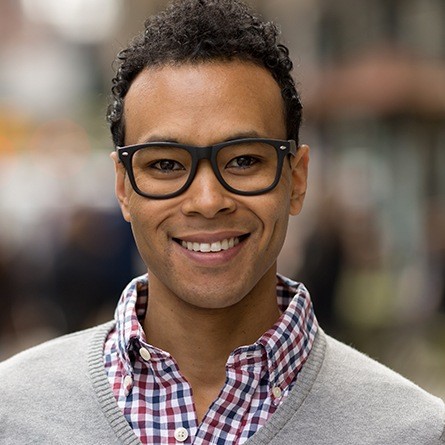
(215,246)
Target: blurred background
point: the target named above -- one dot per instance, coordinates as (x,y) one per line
(370,243)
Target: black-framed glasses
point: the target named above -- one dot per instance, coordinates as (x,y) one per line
(248,166)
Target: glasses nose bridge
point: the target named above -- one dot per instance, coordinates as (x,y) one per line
(204,153)
(200,153)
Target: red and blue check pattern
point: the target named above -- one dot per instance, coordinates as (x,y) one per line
(157,401)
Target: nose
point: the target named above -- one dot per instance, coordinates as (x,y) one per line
(206,196)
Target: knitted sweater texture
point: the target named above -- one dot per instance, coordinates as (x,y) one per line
(58,393)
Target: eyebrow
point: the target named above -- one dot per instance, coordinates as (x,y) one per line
(238,135)
(159,138)
(243,135)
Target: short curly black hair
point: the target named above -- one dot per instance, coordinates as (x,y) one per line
(196,31)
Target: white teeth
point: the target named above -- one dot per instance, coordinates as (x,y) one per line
(204,247)
(216,246)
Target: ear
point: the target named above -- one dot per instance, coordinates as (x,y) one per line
(299,166)
(121,188)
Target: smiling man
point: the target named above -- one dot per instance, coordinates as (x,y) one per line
(211,345)
(211,252)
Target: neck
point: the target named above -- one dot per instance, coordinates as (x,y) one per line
(201,339)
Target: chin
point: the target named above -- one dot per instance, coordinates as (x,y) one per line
(213,300)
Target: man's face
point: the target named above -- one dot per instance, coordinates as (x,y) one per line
(202,105)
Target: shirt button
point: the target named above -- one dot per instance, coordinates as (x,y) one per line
(128,385)
(145,354)
(276,392)
(181,434)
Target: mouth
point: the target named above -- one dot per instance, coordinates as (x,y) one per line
(214,246)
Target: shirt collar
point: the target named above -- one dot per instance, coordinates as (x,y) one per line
(283,349)
(129,313)
(289,342)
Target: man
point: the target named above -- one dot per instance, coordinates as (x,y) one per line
(211,346)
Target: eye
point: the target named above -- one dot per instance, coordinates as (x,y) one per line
(242,162)
(167,165)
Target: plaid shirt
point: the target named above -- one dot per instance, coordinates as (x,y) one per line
(156,399)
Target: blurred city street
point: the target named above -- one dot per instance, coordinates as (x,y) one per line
(370,242)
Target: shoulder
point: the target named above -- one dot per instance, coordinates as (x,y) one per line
(367,395)
(62,349)
(344,364)
(52,363)
(49,390)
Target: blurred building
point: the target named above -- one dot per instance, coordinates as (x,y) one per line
(373,86)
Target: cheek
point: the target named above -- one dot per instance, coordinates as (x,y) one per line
(143,223)
(279,203)
(142,240)
(275,216)
(281,222)
(150,221)
(279,209)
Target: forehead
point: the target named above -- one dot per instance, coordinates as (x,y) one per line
(203,103)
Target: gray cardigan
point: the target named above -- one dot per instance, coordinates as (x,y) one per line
(58,393)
